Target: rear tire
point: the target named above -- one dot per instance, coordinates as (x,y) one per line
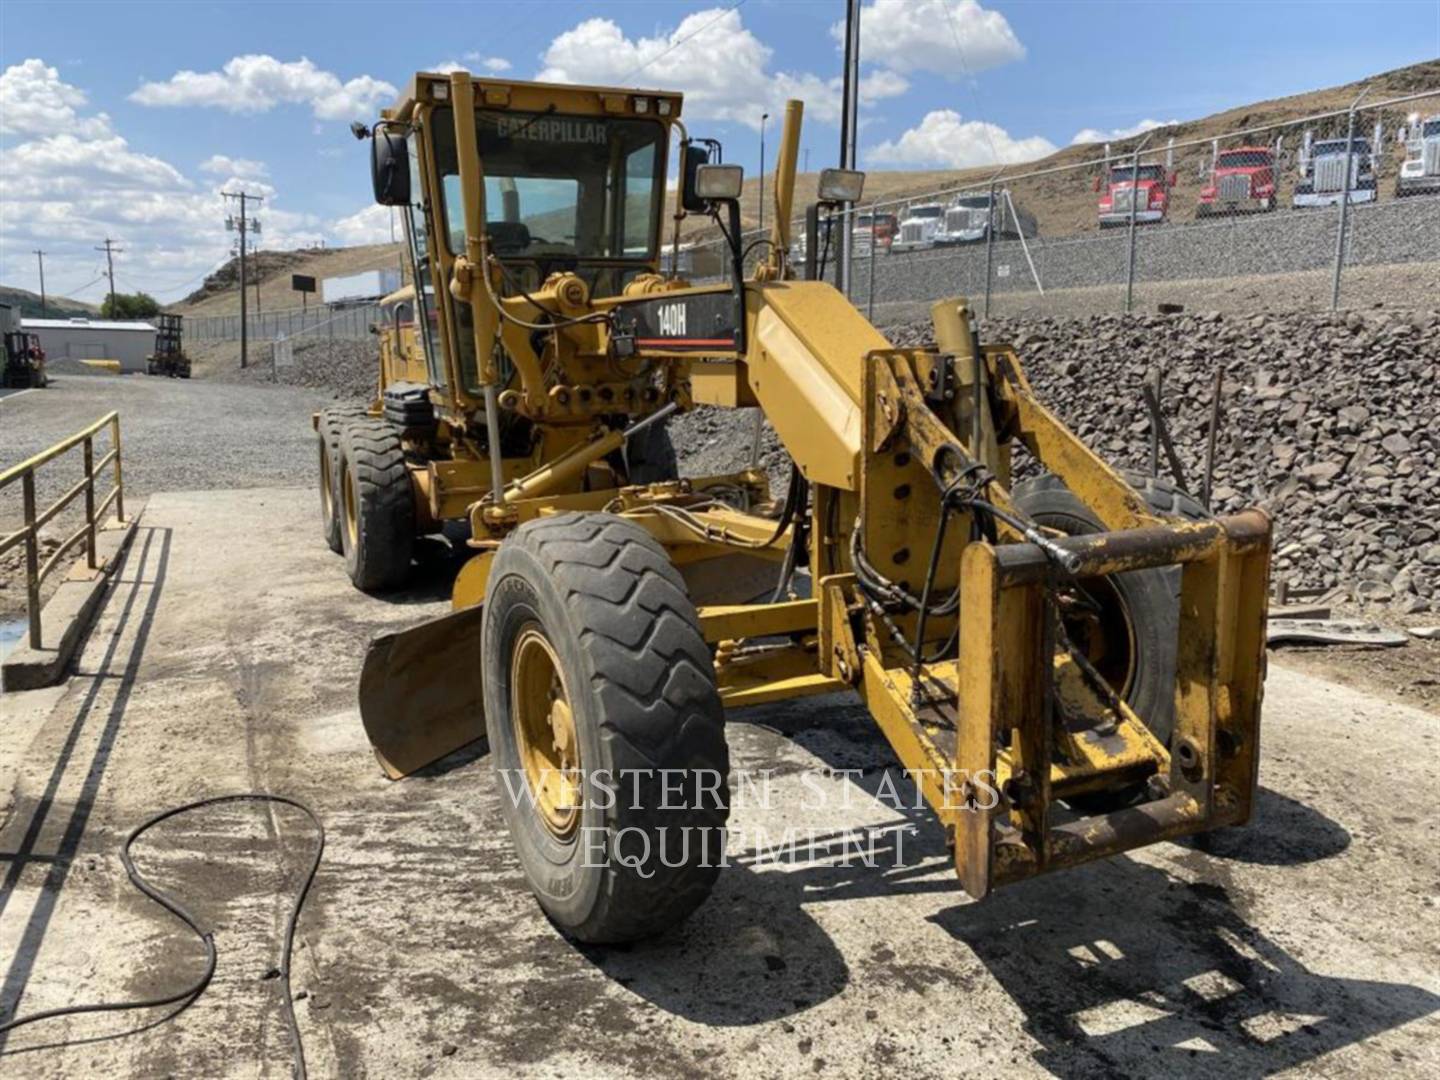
(376,504)
(600,597)
(327,445)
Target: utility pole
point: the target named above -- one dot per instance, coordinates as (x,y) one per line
(110,253)
(41,256)
(763,118)
(849,108)
(243,227)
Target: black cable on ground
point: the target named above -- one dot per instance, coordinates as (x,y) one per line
(207,937)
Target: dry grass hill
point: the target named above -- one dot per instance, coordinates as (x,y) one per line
(1063,204)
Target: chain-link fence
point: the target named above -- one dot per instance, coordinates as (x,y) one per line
(1308,212)
(347,323)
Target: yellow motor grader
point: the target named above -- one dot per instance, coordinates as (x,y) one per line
(1066,671)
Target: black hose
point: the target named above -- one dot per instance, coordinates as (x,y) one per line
(207,937)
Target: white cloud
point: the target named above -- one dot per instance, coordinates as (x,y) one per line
(947,140)
(34,100)
(719,65)
(1095,135)
(921,35)
(258,83)
(492,64)
(224,165)
(368,226)
(72,179)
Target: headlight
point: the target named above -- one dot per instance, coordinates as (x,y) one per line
(719,181)
(841,185)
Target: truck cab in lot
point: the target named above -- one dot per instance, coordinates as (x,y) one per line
(971,217)
(1145,188)
(1243,180)
(919,227)
(1420,171)
(1322,173)
(879,227)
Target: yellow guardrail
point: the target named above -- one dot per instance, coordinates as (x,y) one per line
(29,533)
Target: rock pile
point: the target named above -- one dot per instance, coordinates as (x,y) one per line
(1329,421)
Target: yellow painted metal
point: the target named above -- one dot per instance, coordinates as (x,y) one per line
(472,581)
(777,676)
(784,188)
(725,622)
(545,735)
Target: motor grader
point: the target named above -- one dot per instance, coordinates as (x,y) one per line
(1065,671)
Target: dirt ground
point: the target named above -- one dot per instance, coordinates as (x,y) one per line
(226,659)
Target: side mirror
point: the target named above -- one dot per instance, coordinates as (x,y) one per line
(695,156)
(719,183)
(1174,176)
(390,168)
(841,185)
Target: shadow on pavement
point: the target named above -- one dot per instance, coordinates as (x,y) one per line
(1121,969)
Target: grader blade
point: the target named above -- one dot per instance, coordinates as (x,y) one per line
(420,692)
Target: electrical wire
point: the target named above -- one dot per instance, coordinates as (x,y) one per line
(676,44)
(207,937)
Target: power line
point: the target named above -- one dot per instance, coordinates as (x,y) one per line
(676,44)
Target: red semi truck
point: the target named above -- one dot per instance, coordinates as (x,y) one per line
(1146,189)
(1243,180)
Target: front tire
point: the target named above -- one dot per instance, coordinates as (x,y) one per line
(595,668)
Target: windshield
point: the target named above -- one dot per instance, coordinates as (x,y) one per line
(1244,159)
(1337,146)
(1431,129)
(973,202)
(1147,172)
(925,211)
(557,186)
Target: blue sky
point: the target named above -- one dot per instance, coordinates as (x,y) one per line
(102,132)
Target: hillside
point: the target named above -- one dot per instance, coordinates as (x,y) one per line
(56,307)
(219,294)
(1063,204)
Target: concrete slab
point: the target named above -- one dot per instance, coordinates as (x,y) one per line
(68,613)
(226,658)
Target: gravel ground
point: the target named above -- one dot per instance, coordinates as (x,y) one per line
(176,435)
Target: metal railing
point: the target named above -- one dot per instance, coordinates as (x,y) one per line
(29,533)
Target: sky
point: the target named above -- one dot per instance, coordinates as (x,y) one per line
(125,119)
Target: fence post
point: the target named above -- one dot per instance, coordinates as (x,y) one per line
(32,557)
(1344,206)
(1130,254)
(874,243)
(989,252)
(90,502)
(119,484)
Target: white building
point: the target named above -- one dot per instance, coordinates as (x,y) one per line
(95,339)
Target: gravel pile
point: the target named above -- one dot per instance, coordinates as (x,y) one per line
(1330,422)
(345,368)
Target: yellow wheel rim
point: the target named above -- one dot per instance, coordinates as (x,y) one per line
(545,731)
(352,501)
(327,492)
